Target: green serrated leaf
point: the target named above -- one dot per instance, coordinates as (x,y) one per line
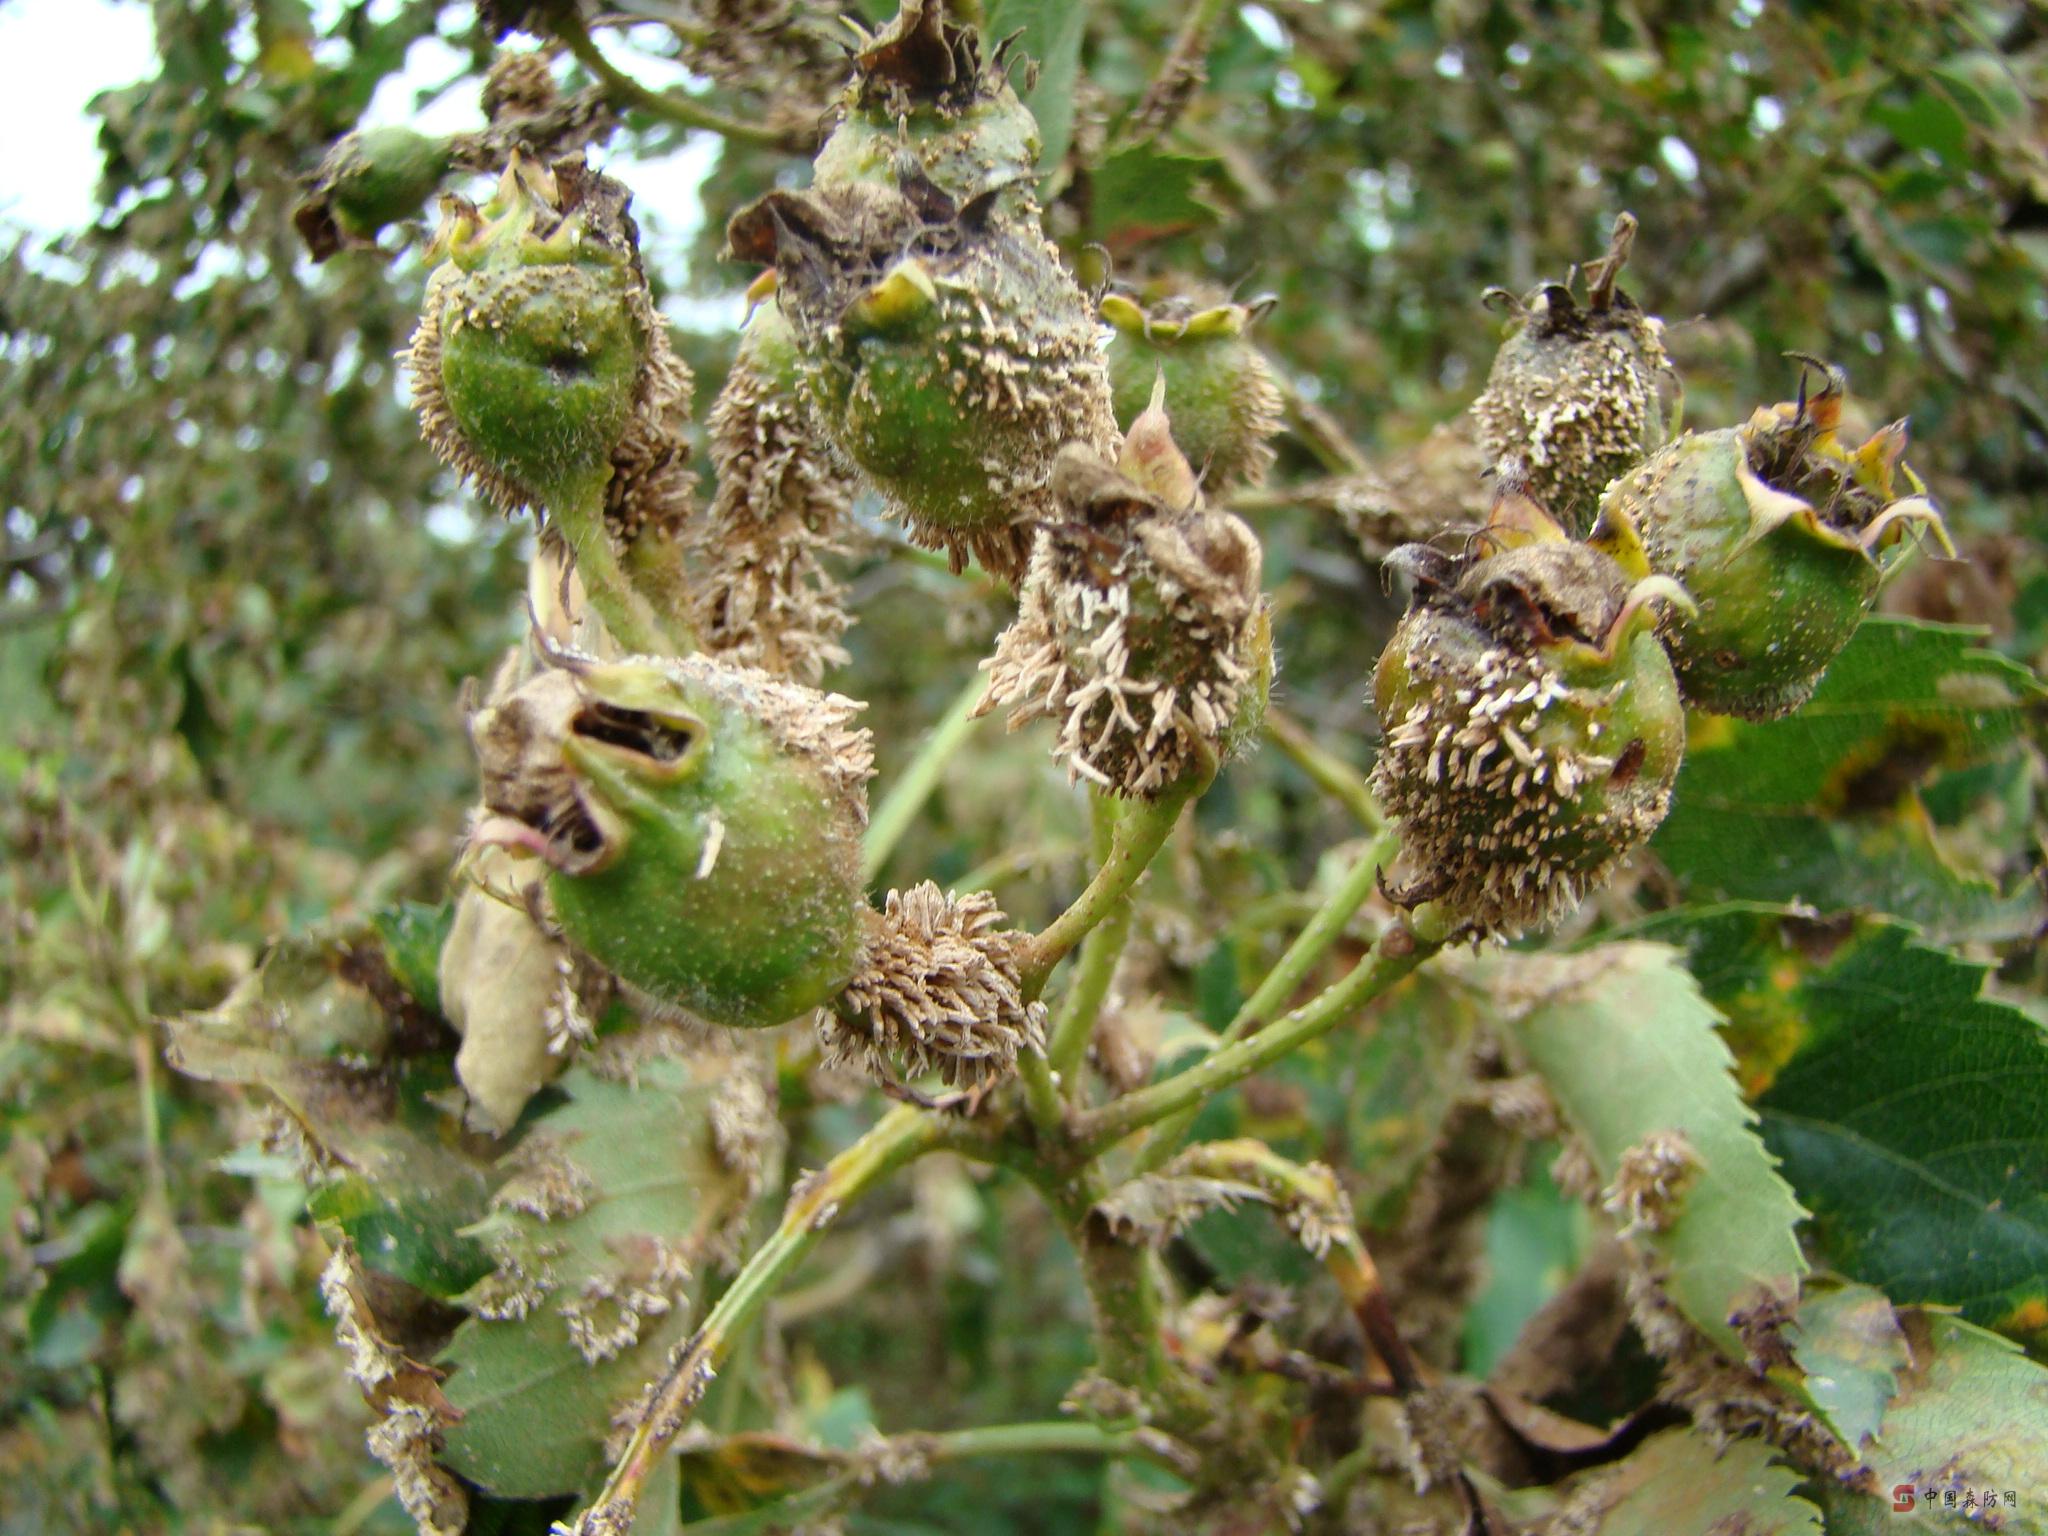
(1630,1050)
(1679,1483)
(413,934)
(409,1177)
(1903,1103)
(1910,1121)
(1970,1420)
(614,1204)
(1820,807)
(414,1234)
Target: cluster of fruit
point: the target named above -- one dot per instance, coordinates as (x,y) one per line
(1534,697)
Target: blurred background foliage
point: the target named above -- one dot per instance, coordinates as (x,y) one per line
(240,600)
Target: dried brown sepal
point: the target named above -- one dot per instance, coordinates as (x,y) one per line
(938,990)
(1137,628)
(922,57)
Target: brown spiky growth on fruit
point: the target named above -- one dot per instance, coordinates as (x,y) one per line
(1576,396)
(1533,726)
(762,593)
(539,354)
(946,352)
(1141,628)
(938,990)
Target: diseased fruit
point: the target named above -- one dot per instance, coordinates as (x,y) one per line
(938,990)
(921,87)
(1219,387)
(1575,396)
(762,595)
(1141,627)
(1775,527)
(947,352)
(1533,726)
(700,822)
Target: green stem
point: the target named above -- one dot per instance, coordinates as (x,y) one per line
(576,511)
(914,787)
(1060,1438)
(1123,1295)
(1140,833)
(670,106)
(1330,773)
(1323,930)
(1041,1096)
(1100,951)
(1400,949)
(898,1137)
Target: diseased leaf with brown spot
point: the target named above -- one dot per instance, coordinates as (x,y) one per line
(1679,1483)
(1903,1102)
(1630,1051)
(1970,1417)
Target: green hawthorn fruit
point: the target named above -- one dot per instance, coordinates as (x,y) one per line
(701,825)
(1575,396)
(528,360)
(367,180)
(947,353)
(922,89)
(1532,728)
(1225,404)
(1141,627)
(1775,528)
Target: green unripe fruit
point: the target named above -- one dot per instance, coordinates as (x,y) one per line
(1775,529)
(1533,730)
(366,181)
(387,175)
(1575,396)
(947,353)
(701,824)
(1220,389)
(536,337)
(922,89)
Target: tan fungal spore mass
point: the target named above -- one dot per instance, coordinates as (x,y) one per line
(763,596)
(947,352)
(1576,396)
(1138,629)
(1533,731)
(938,990)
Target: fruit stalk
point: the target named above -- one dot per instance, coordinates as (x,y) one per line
(1400,950)
(899,1137)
